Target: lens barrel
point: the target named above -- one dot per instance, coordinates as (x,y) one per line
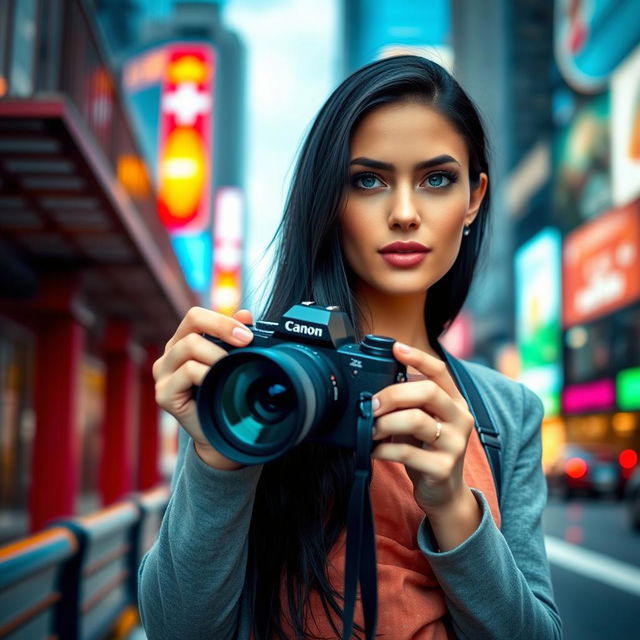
(256,403)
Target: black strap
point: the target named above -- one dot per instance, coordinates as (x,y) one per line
(489,435)
(360,559)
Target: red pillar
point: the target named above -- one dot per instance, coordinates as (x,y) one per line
(118,436)
(149,431)
(55,461)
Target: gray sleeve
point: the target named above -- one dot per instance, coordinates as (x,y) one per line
(191,582)
(497,582)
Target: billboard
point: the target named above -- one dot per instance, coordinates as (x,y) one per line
(592,37)
(582,163)
(170,88)
(601,265)
(625,130)
(186,126)
(538,329)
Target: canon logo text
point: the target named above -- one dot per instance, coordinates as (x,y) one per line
(316,332)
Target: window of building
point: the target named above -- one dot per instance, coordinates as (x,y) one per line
(17,426)
(23,48)
(90,418)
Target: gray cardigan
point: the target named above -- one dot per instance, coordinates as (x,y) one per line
(496,583)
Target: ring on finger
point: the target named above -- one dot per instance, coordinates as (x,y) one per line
(438,430)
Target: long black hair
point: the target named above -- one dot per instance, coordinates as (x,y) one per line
(300,505)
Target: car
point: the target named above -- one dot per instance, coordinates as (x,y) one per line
(632,499)
(592,469)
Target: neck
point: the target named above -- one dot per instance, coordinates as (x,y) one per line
(397,316)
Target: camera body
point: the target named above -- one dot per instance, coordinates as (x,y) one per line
(300,379)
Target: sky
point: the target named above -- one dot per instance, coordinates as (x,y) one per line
(293,63)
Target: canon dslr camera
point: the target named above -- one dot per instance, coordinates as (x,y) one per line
(300,379)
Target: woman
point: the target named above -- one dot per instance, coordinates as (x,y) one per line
(385,218)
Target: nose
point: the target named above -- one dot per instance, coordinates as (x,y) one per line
(404,213)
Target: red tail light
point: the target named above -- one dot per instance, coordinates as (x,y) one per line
(576,468)
(628,459)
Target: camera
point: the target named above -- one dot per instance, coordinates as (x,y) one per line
(299,380)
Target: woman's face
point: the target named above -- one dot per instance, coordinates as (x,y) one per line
(409,199)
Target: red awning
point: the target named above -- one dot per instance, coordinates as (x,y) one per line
(63,207)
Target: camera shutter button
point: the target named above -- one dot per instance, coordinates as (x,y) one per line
(377,345)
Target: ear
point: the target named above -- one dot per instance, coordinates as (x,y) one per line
(477,196)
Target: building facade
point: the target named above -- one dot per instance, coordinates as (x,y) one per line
(91,287)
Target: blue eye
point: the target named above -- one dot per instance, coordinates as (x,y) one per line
(366,181)
(440,180)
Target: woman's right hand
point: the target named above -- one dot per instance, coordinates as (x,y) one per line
(187,358)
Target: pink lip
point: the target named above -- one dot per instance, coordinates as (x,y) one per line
(404,254)
(404,247)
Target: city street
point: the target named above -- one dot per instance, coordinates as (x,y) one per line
(454,175)
(595,567)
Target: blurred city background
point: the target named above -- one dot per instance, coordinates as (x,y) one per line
(145,152)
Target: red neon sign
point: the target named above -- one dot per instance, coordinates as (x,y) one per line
(590,396)
(185,150)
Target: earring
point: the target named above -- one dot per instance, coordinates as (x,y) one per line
(467,230)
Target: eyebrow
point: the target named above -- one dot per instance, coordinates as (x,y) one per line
(385,166)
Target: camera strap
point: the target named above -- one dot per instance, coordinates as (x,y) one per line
(360,559)
(485,426)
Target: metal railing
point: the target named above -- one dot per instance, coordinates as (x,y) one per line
(78,580)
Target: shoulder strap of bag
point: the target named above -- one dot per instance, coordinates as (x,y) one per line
(489,434)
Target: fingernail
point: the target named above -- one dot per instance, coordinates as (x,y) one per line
(403,347)
(375,404)
(244,335)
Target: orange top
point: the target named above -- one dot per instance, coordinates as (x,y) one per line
(411,604)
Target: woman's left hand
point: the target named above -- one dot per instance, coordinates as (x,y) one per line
(426,424)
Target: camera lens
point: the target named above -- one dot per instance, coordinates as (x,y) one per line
(270,402)
(256,403)
(259,405)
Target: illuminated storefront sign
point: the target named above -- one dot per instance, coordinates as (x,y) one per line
(186,123)
(591,396)
(628,389)
(226,288)
(171,90)
(601,265)
(537,274)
